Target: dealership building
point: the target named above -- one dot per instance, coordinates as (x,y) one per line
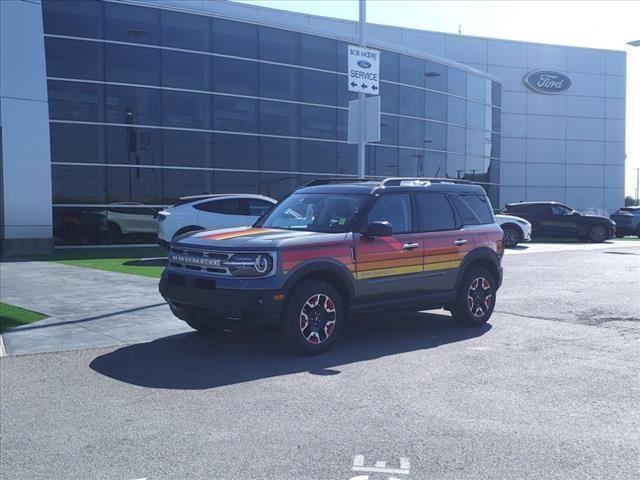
(113,109)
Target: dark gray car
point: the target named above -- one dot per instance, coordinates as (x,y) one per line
(627,221)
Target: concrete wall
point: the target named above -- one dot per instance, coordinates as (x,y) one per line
(24,111)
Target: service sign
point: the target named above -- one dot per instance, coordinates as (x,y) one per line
(364,70)
(547,81)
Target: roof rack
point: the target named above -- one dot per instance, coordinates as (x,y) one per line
(330,181)
(389,182)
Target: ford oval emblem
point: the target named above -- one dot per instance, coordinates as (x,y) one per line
(363,64)
(547,81)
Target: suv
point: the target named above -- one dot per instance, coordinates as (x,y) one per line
(627,221)
(552,219)
(336,249)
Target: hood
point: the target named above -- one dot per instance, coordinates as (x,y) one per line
(599,217)
(250,238)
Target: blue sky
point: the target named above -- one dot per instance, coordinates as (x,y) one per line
(596,24)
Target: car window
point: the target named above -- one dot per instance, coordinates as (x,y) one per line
(468,215)
(435,213)
(535,209)
(478,204)
(257,208)
(560,210)
(395,209)
(232,206)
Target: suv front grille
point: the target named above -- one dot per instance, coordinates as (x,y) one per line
(196,260)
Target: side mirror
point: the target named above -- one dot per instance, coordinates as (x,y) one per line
(379,229)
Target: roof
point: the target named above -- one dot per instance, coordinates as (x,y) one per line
(538,202)
(377,187)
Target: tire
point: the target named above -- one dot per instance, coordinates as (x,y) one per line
(511,236)
(476,298)
(312,318)
(597,234)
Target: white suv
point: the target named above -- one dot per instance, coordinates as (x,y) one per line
(209,212)
(515,229)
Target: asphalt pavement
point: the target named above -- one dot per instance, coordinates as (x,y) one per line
(549,389)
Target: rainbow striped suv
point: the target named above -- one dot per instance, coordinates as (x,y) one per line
(336,249)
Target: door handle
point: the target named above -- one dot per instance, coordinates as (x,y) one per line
(410,246)
(460,241)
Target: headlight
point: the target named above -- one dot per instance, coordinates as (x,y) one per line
(249,264)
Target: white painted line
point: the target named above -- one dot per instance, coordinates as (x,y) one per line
(398,471)
(3,352)
(381,464)
(405,463)
(358,461)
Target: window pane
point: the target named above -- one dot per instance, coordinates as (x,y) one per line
(435,213)
(235,114)
(133,105)
(457,81)
(496,123)
(132,24)
(395,209)
(474,209)
(279,45)
(411,132)
(318,52)
(279,154)
(318,87)
(235,38)
(278,118)
(456,165)
(73,18)
(233,206)
(78,184)
(411,162)
(436,164)
(235,76)
(186,70)
(343,124)
(180,183)
(318,122)
(495,145)
(183,30)
(74,59)
(344,95)
(435,135)
(189,110)
(412,70)
(317,157)
(187,149)
(232,182)
(77,143)
(382,161)
(456,110)
(343,50)
(389,97)
(496,94)
(435,76)
(76,101)
(411,102)
(135,146)
(278,82)
(388,130)
(236,151)
(476,87)
(389,66)
(456,138)
(347,157)
(132,64)
(475,115)
(475,142)
(436,106)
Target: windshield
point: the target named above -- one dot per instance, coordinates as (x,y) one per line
(316,212)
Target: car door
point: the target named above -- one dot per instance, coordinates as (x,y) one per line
(562,221)
(445,241)
(390,267)
(537,215)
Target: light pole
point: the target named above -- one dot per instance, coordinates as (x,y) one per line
(636,43)
(362,22)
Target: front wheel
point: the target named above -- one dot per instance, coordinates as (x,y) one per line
(312,318)
(597,234)
(510,237)
(476,298)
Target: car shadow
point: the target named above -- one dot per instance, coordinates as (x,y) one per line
(192,361)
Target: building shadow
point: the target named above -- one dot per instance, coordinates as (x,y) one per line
(192,361)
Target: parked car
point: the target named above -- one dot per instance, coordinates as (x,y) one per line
(627,221)
(552,219)
(206,212)
(335,249)
(515,229)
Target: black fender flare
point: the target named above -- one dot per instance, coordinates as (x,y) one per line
(322,267)
(484,256)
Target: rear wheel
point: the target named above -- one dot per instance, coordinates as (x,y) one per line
(511,236)
(476,298)
(597,234)
(312,318)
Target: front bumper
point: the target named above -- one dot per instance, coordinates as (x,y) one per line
(194,296)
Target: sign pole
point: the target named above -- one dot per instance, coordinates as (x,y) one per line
(361,150)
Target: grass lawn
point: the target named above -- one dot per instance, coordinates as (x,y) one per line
(11,316)
(145,261)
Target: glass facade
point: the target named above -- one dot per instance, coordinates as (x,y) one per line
(147,105)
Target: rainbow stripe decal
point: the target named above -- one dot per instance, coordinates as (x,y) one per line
(239,233)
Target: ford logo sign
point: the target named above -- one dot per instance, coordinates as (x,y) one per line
(547,81)
(363,64)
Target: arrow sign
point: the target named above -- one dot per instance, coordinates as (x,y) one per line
(364,70)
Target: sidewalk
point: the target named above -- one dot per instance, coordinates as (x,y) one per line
(87,308)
